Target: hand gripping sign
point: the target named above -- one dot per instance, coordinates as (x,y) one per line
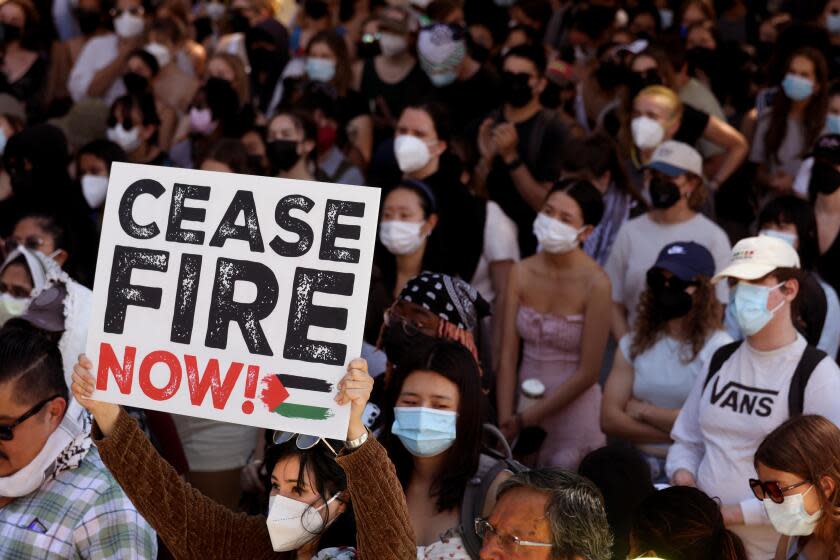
(231,297)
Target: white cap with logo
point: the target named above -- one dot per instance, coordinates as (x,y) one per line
(676,158)
(755,257)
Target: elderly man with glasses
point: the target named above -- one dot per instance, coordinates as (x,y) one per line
(57,499)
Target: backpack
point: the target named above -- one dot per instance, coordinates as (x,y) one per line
(811,357)
(491,463)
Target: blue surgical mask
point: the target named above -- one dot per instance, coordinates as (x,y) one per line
(832,124)
(789,238)
(443,79)
(750,302)
(425,432)
(797,88)
(320,69)
(832,23)
(666,17)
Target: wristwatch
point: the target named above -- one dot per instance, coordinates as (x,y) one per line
(358,442)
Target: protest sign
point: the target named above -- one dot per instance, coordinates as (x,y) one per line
(231,297)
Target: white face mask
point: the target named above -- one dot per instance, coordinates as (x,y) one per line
(128,140)
(392,44)
(160,52)
(128,25)
(555,236)
(215,10)
(401,238)
(647,133)
(11,306)
(790,518)
(291,523)
(32,476)
(412,153)
(94,188)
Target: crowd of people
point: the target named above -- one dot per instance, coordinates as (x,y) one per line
(603,320)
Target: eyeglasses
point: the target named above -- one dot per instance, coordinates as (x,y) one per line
(7,431)
(302,442)
(772,490)
(485,531)
(411,327)
(656,280)
(31,242)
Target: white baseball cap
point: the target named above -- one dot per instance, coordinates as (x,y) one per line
(755,257)
(675,158)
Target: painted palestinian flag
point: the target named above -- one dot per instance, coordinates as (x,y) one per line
(281,390)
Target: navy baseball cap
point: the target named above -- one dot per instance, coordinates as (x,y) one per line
(686,260)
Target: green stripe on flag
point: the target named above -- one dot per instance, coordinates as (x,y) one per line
(306,412)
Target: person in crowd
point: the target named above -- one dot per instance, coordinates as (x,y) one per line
(797,481)
(24,69)
(393,79)
(682,523)
(189,54)
(172,84)
(134,126)
(101,62)
(824,194)
(791,219)
(312,489)
(435,443)
(93,167)
(751,388)
(677,331)
(266,45)
(57,499)
(788,131)
(231,69)
(142,72)
(546,514)
(555,307)
(622,475)
(522,144)
(291,138)
(228,155)
(595,159)
(675,184)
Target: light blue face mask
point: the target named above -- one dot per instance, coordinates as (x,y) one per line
(666,17)
(425,432)
(789,238)
(750,306)
(797,88)
(443,79)
(832,124)
(832,23)
(320,69)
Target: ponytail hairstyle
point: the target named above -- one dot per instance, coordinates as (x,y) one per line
(683,523)
(809,447)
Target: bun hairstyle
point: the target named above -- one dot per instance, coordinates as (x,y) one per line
(587,196)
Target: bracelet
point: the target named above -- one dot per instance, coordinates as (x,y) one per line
(514,164)
(358,442)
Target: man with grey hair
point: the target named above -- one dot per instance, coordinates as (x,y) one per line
(546,514)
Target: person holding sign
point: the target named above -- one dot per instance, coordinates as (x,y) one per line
(308,493)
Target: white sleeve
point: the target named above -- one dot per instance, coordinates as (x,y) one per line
(803,177)
(722,253)
(688,448)
(96,54)
(616,265)
(500,235)
(822,390)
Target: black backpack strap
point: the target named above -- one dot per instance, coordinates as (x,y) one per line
(719,358)
(809,361)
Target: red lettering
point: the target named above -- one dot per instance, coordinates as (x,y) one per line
(220,390)
(251,382)
(108,362)
(166,392)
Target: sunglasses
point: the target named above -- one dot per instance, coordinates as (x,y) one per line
(302,441)
(772,490)
(7,430)
(656,280)
(31,242)
(411,327)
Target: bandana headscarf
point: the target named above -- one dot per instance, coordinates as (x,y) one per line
(449,298)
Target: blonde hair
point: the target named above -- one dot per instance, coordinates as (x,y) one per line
(240,77)
(668,96)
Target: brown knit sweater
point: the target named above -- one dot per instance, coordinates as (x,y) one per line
(194,526)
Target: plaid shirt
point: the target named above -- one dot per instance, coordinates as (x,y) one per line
(83,513)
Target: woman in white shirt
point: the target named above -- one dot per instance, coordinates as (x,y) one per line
(677,332)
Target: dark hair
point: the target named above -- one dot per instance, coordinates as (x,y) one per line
(623,477)
(588,198)
(834,88)
(171,27)
(534,53)
(148,59)
(427,198)
(51,226)
(33,363)
(813,118)
(304,122)
(790,209)
(454,362)
(575,512)
(343,68)
(231,152)
(683,523)
(439,116)
(107,151)
(145,102)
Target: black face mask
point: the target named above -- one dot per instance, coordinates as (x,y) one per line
(238,22)
(663,193)
(10,33)
(641,80)
(669,296)
(282,154)
(479,53)
(262,59)
(703,59)
(825,179)
(515,89)
(89,20)
(135,84)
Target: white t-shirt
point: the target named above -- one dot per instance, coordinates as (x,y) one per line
(500,244)
(97,53)
(638,244)
(720,427)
